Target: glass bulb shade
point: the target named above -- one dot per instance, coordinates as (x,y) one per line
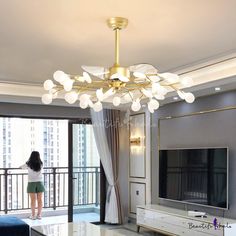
(84,98)
(189,97)
(150,109)
(147,93)
(153,104)
(170,77)
(186,81)
(109,93)
(136,106)
(116,101)
(48,84)
(154,78)
(60,76)
(57,75)
(47,98)
(139,75)
(159,96)
(83,104)
(100,94)
(181,94)
(97,106)
(71,97)
(87,77)
(68,85)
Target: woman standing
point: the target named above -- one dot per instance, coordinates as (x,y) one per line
(35,186)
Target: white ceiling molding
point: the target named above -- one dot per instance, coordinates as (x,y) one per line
(203,75)
(18,89)
(210,71)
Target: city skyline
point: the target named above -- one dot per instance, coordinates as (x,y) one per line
(20,136)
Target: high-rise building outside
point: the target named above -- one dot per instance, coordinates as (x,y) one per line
(20,136)
(85,154)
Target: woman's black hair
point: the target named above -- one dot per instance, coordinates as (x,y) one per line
(34,161)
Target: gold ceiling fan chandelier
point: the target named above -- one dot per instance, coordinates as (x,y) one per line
(118,84)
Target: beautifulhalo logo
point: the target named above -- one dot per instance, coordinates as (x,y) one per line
(215,223)
(218,225)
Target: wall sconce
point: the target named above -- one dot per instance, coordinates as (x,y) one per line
(135,141)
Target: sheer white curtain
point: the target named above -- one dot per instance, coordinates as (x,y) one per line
(111,214)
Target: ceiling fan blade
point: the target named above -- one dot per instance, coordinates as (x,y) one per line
(120,77)
(96,71)
(143,68)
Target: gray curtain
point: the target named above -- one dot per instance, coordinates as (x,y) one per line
(112,132)
(106,132)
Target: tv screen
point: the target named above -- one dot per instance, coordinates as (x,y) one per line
(198,176)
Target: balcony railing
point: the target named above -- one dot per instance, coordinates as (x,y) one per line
(13,187)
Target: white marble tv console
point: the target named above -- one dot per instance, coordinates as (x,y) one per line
(171,221)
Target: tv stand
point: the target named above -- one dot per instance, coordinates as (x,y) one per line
(173,221)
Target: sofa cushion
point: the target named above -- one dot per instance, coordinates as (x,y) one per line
(13,226)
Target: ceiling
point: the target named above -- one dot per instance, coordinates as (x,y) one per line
(39,37)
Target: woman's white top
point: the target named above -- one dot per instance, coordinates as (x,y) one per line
(33,176)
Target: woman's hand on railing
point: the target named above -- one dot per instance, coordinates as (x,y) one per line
(24,166)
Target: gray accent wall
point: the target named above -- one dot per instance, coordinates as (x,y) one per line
(214,129)
(124,165)
(42,111)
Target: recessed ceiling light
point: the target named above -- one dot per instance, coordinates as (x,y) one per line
(175,98)
(217,88)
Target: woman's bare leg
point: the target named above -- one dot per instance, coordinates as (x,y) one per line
(40,203)
(33,203)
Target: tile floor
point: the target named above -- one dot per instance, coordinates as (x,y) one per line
(89,217)
(126,229)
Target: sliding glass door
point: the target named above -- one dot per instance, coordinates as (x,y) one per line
(84,174)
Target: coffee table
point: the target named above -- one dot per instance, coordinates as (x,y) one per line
(72,229)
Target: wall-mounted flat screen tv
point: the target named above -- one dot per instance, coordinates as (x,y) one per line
(196,176)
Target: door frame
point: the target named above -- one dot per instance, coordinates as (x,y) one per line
(70,174)
(70,171)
